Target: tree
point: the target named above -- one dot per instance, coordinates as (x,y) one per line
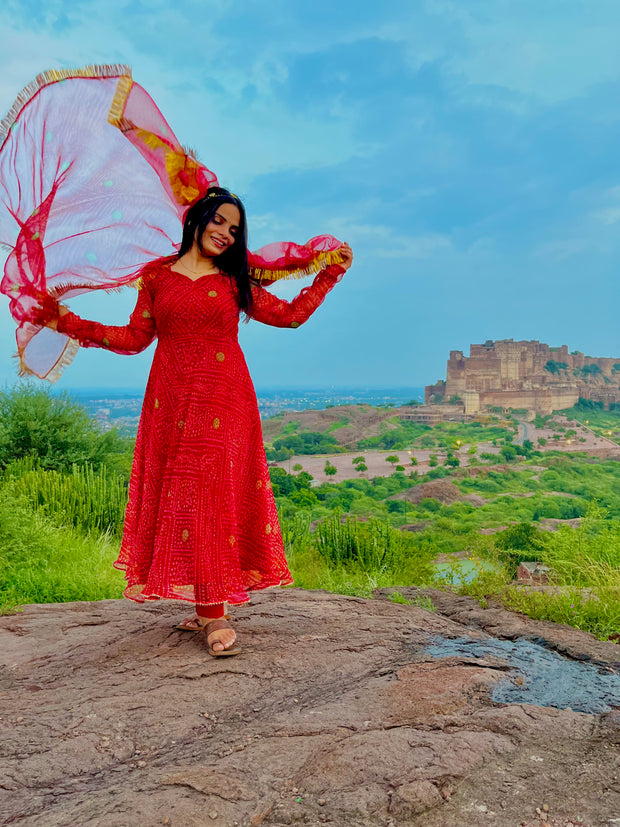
(555,367)
(361,467)
(519,543)
(413,461)
(358,460)
(508,452)
(330,469)
(298,467)
(393,459)
(54,429)
(452,461)
(432,460)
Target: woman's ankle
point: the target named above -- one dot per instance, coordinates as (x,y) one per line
(208,612)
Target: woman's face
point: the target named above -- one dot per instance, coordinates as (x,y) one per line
(221,231)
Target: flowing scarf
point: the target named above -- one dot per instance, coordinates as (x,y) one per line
(93,185)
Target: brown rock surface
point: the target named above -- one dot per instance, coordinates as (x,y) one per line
(333,714)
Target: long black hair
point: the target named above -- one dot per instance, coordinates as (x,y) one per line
(234,260)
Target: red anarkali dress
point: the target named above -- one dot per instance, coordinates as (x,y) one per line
(201,523)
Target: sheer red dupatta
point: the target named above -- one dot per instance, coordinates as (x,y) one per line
(94,184)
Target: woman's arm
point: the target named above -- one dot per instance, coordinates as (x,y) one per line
(131,338)
(271,310)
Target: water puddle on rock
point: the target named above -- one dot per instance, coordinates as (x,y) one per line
(544,677)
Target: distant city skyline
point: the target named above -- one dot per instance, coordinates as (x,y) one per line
(468,153)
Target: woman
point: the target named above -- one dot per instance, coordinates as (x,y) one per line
(201,522)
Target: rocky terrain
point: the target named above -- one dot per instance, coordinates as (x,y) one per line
(339,711)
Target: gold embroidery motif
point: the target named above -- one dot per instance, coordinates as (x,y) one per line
(181,423)
(259,484)
(220,357)
(106,342)
(232,540)
(216,423)
(212,294)
(146,314)
(268,528)
(185,535)
(294,324)
(156,404)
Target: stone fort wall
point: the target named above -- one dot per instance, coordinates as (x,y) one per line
(525,375)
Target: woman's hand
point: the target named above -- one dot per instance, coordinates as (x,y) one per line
(347,256)
(53,323)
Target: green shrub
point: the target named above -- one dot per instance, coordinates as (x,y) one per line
(43,563)
(372,545)
(518,544)
(89,500)
(54,429)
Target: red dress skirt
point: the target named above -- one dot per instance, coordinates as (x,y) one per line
(201,523)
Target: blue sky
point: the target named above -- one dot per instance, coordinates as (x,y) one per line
(468,150)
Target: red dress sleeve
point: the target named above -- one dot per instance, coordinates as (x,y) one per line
(271,310)
(134,337)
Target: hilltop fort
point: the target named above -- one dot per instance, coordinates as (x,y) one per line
(524,376)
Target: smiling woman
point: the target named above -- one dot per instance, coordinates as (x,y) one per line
(201,524)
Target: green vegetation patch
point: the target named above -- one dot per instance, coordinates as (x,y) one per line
(555,367)
(43,562)
(305,443)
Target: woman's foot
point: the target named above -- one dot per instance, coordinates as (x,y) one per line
(221,638)
(190,624)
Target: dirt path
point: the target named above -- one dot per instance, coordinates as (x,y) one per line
(375,462)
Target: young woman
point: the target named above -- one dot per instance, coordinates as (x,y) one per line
(201,523)
(94,189)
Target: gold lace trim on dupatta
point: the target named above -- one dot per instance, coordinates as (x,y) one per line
(320,262)
(54,373)
(56,76)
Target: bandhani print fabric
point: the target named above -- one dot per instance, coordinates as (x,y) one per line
(201,522)
(93,190)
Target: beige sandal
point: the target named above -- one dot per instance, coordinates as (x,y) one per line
(215,626)
(193,624)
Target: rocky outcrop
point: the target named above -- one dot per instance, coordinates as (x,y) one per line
(335,713)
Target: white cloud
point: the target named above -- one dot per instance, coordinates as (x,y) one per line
(610,215)
(203,99)
(561,249)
